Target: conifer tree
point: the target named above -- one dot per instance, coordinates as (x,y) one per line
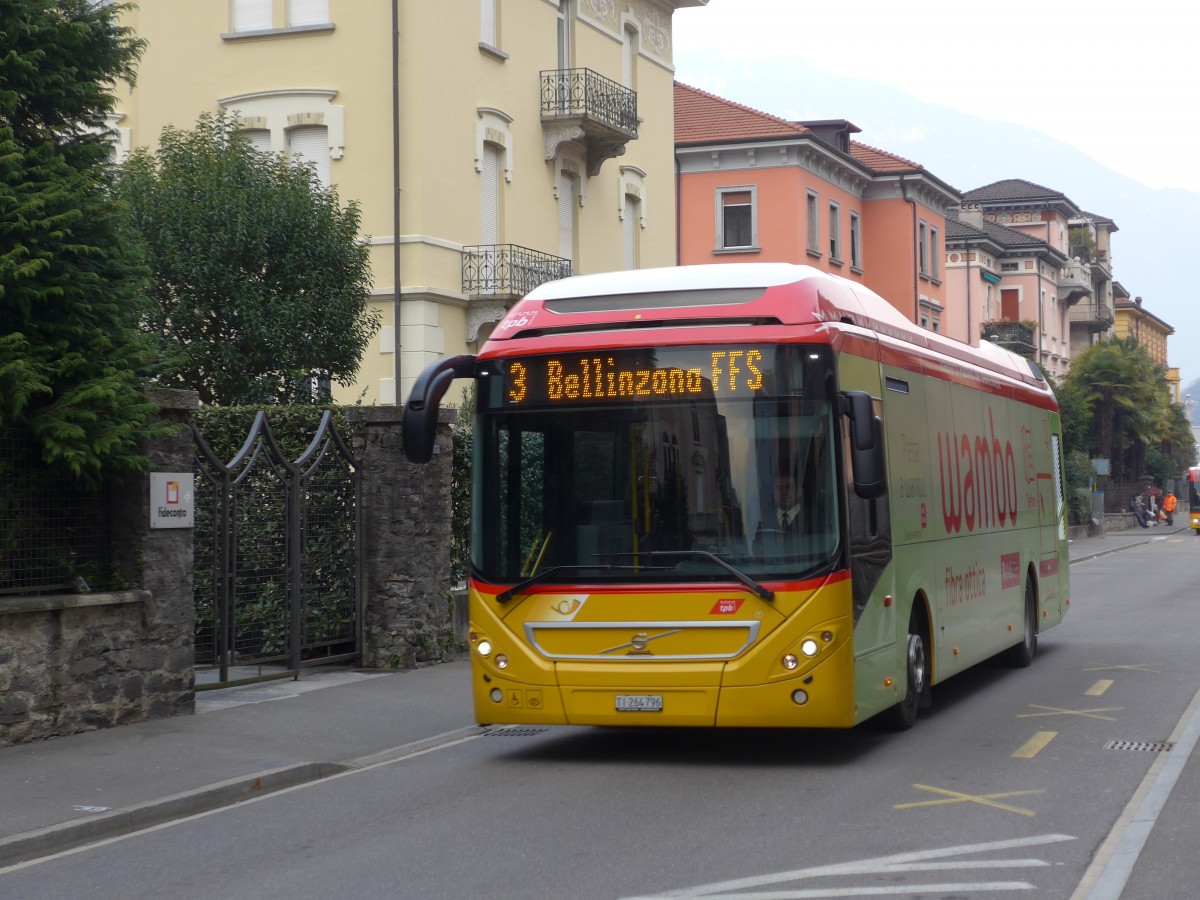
(72,286)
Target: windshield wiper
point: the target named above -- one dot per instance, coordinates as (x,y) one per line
(545,575)
(764,592)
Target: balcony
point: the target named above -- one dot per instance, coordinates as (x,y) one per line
(1074,282)
(1093,314)
(507,271)
(582,105)
(1014,336)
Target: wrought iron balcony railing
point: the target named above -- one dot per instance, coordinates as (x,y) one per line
(508,270)
(588,95)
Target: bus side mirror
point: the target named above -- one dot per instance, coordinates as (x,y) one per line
(866,445)
(419,424)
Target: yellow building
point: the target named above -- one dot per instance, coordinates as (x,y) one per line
(491,144)
(1151,332)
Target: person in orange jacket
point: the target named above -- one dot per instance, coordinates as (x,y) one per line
(1169,503)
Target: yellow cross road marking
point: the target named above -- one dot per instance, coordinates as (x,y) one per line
(982,799)
(1086,713)
(1035,744)
(1136,667)
(1098,689)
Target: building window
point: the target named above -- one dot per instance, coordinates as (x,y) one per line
(633,214)
(814,226)
(251,15)
(259,138)
(488,24)
(308,12)
(566,18)
(1009,266)
(629,57)
(631,231)
(923,248)
(931,314)
(737,218)
(935,252)
(835,233)
(568,203)
(489,182)
(309,145)
(301,123)
(855,241)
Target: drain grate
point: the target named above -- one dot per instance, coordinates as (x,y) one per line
(516,732)
(1152,746)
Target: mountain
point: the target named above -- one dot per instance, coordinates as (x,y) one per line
(1150,256)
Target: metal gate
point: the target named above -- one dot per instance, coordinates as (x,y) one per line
(278,562)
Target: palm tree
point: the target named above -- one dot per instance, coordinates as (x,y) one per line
(1106,374)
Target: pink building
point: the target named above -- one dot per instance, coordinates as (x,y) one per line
(1032,270)
(755,187)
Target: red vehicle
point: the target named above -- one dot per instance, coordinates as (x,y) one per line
(1194,497)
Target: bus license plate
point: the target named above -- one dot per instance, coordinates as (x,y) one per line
(639,703)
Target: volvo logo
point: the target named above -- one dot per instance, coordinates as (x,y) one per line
(637,643)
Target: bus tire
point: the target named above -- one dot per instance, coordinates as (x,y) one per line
(1019,656)
(902,716)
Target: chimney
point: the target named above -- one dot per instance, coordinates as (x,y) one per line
(971,214)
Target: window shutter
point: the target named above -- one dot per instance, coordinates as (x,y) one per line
(487,22)
(308,12)
(310,144)
(249,15)
(632,214)
(566,216)
(260,139)
(490,230)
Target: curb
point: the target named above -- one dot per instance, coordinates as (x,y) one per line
(1133,543)
(51,839)
(117,822)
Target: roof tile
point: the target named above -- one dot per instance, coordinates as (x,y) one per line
(702,118)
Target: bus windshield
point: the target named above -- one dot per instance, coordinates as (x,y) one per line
(616,459)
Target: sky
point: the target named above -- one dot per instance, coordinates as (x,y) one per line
(1114,79)
(1116,82)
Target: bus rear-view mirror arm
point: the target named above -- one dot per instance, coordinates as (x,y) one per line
(866,445)
(419,424)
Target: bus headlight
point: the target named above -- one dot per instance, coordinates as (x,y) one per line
(809,647)
(789,661)
(501,661)
(484,648)
(799,697)
(497,695)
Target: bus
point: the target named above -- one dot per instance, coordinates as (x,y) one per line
(1193,478)
(632,561)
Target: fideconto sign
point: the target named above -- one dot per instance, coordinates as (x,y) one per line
(172,500)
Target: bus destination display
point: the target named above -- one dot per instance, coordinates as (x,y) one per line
(653,374)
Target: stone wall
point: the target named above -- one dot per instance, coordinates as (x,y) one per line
(71,663)
(406,543)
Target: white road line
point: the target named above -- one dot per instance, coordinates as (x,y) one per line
(917,859)
(1106,877)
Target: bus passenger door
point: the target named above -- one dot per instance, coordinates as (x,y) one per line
(869,534)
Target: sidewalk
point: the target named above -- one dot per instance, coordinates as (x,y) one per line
(246,741)
(242,742)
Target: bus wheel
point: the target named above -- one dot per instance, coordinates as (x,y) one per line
(1021,655)
(902,716)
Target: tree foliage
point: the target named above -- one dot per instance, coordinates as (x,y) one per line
(72,285)
(1133,422)
(261,280)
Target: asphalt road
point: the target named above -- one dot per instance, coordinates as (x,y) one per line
(1009,785)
